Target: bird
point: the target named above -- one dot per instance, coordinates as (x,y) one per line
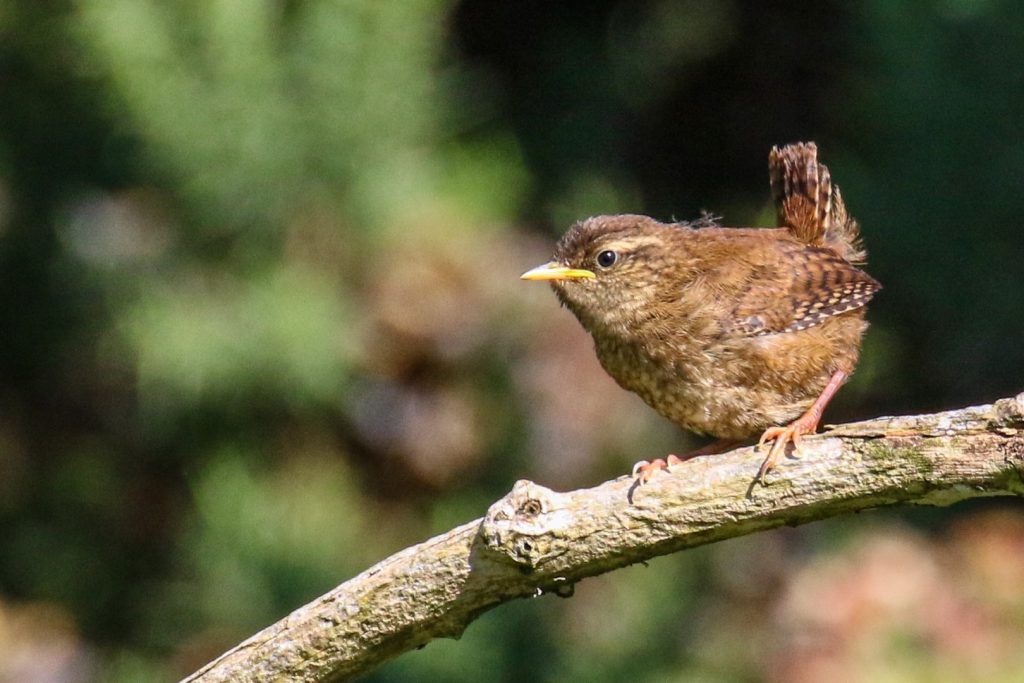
(727,332)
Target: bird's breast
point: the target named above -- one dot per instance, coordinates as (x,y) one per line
(676,377)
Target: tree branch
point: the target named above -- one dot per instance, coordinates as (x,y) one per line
(535,540)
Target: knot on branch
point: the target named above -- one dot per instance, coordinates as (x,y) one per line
(1008,413)
(524,526)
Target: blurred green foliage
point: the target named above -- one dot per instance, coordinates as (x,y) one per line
(262,325)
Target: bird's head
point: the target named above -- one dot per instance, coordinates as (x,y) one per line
(609,270)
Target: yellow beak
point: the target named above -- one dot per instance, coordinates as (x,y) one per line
(556,271)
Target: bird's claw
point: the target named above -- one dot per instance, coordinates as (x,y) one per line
(644,470)
(792,433)
(641,466)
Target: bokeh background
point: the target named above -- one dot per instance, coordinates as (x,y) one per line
(260,321)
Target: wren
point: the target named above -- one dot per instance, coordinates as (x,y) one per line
(727,332)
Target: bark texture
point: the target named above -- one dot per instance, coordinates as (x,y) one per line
(535,540)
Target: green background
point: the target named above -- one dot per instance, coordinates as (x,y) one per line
(260,321)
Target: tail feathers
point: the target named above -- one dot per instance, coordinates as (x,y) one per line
(808,204)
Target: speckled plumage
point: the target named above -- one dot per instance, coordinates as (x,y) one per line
(726,331)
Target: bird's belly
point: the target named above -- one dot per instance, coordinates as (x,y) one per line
(710,393)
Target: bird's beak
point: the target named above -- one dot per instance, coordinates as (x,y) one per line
(556,271)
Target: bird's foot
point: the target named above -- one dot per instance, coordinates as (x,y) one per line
(644,470)
(782,436)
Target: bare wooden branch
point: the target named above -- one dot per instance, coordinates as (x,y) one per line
(535,540)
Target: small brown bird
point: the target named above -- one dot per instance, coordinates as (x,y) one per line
(728,332)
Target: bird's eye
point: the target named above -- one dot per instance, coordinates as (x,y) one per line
(607,258)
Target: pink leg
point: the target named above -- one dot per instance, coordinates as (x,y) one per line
(795,430)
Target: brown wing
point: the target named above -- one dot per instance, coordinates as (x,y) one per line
(802,289)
